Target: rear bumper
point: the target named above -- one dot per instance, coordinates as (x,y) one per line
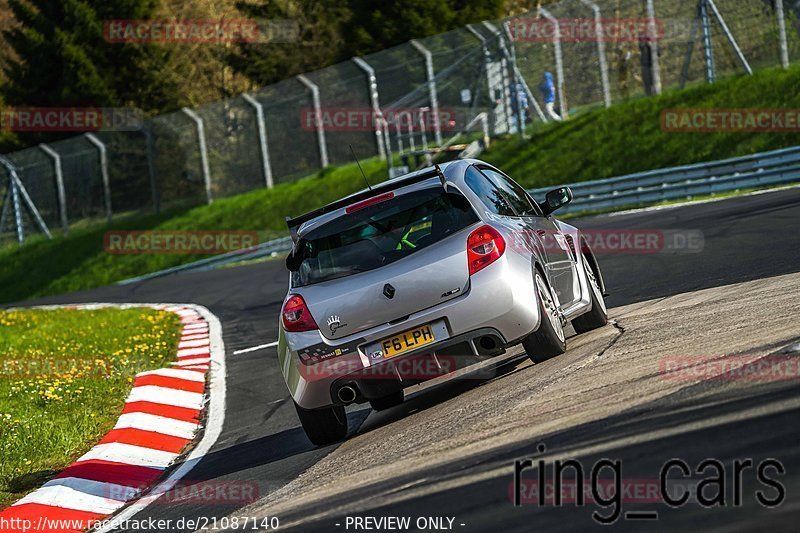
(500,302)
(439,359)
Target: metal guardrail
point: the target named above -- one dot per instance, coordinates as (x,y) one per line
(757,170)
(275,246)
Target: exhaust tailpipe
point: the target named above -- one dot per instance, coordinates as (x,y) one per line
(346,394)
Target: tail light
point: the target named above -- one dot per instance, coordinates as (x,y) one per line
(485,245)
(296,316)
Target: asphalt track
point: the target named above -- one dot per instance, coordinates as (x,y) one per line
(744,239)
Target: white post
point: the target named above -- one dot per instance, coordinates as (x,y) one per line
(504,76)
(101,148)
(261,123)
(201,141)
(323,147)
(62,196)
(151,165)
(15,190)
(434,97)
(372,87)
(729,36)
(601,50)
(652,31)
(562,102)
(485,48)
(782,33)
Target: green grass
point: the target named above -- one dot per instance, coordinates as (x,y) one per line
(595,144)
(64,377)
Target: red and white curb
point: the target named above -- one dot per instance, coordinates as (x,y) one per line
(161,417)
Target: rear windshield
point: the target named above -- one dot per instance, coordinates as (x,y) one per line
(380,234)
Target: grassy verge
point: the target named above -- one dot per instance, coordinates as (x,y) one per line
(596,144)
(64,376)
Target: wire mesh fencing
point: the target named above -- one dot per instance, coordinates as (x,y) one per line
(413,98)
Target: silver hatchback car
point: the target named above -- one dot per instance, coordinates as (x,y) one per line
(421,276)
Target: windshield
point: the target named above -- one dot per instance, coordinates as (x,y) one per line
(380,234)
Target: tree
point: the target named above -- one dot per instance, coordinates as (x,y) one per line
(318,43)
(63,59)
(376,26)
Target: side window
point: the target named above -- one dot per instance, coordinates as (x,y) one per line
(490,195)
(517,196)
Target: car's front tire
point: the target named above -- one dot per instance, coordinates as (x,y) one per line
(598,316)
(387,402)
(549,339)
(323,426)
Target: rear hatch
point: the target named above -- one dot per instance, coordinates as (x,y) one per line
(381,262)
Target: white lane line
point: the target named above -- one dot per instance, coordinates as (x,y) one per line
(177,373)
(194,336)
(256,348)
(191,362)
(69,498)
(102,489)
(130,454)
(213,429)
(166,396)
(188,352)
(157,424)
(194,343)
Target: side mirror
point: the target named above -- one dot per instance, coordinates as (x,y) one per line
(556,199)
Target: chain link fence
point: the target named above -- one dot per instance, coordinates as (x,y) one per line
(400,101)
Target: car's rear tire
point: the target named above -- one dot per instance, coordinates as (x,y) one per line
(549,339)
(598,316)
(387,402)
(323,426)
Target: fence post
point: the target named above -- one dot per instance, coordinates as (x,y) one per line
(372,87)
(323,147)
(101,148)
(782,33)
(486,57)
(62,196)
(652,31)
(562,101)
(201,142)
(503,74)
(515,77)
(729,36)
(262,138)
(434,97)
(708,51)
(17,212)
(601,50)
(15,189)
(151,165)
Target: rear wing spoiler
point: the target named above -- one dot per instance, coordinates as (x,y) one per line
(296,222)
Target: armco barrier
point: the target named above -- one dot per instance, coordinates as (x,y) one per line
(756,170)
(764,169)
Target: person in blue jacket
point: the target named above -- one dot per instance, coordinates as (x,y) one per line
(548,89)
